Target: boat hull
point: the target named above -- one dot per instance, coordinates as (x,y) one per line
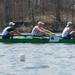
(37,40)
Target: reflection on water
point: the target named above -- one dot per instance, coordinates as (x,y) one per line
(37,67)
(39,59)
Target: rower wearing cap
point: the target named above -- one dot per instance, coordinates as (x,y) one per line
(8,31)
(67,30)
(39,30)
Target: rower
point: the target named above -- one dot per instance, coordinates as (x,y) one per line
(66,34)
(72,33)
(8,31)
(39,30)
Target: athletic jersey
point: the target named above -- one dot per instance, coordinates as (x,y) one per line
(65,32)
(7,30)
(36,32)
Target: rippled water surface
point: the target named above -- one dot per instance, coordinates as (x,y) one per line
(37,59)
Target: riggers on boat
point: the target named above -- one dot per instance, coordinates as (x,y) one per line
(31,39)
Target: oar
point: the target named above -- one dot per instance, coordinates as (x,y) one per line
(26,34)
(48,32)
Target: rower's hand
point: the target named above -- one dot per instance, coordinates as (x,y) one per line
(53,35)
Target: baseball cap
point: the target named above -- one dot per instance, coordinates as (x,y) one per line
(40,22)
(69,24)
(11,23)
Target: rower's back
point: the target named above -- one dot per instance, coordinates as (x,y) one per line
(67,30)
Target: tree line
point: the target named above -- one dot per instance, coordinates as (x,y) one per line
(55,12)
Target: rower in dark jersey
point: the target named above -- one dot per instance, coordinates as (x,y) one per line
(8,31)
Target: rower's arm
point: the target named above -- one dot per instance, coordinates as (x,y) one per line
(40,29)
(17,32)
(47,31)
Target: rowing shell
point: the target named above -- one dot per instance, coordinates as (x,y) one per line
(31,39)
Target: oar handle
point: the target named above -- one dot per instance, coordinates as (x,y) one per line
(25,34)
(48,32)
(20,35)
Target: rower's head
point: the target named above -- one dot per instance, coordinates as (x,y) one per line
(11,24)
(41,24)
(69,24)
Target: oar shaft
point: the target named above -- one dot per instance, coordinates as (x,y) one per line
(20,35)
(48,32)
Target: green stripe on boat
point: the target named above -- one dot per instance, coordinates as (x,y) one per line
(30,39)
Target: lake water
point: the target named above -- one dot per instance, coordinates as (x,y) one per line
(37,59)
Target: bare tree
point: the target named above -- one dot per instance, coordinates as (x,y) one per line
(58,19)
(7,11)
